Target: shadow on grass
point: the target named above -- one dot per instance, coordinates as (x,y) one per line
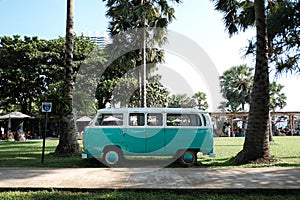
(228,145)
(288,157)
(296,165)
(230,162)
(71,162)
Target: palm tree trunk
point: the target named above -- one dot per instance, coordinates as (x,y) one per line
(256,146)
(68,144)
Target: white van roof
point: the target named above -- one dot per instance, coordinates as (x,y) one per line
(151,110)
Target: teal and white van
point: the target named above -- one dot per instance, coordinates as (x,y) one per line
(115,133)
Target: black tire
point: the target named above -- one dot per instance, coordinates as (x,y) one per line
(188,158)
(112,156)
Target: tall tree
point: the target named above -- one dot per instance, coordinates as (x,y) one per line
(256,145)
(236,84)
(68,144)
(143,22)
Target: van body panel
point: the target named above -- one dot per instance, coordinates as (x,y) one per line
(155,141)
(134,139)
(164,131)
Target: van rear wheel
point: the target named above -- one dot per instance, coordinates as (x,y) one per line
(188,158)
(112,156)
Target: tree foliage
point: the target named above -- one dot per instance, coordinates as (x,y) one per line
(131,23)
(284,35)
(236,84)
(283,24)
(123,92)
(277,98)
(27,67)
(201,100)
(180,101)
(86,81)
(236,87)
(198,101)
(31,69)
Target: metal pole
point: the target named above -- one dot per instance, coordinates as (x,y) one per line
(44,139)
(270,129)
(144,68)
(144,63)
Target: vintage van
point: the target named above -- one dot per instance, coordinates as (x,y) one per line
(115,133)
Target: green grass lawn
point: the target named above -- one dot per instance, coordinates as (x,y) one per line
(146,195)
(29,154)
(286,149)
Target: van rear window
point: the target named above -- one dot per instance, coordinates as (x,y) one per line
(183,120)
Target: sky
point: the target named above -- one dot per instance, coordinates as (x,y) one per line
(196,19)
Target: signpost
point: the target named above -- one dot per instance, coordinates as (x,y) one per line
(46,108)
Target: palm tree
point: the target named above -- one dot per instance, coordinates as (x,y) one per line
(68,144)
(201,100)
(152,16)
(256,145)
(236,85)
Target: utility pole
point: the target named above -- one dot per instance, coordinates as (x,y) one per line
(144,79)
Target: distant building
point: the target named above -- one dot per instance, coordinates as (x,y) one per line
(99,41)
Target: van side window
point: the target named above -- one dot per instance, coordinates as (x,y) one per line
(195,120)
(136,119)
(109,119)
(204,119)
(183,120)
(154,119)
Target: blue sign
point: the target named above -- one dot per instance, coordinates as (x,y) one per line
(46,107)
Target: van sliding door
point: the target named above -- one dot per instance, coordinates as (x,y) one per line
(155,139)
(134,135)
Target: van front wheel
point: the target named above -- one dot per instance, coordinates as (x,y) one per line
(188,158)
(112,156)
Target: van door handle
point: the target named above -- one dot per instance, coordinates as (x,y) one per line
(123,133)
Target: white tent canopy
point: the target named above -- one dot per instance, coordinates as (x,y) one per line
(112,119)
(13,115)
(84,119)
